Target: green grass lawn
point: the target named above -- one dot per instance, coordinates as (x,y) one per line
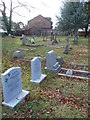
(55,97)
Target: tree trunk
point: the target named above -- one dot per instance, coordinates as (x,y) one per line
(86,31)
(10,18)
(4,17)
(75,40)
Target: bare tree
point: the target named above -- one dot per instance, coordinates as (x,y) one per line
(8,20)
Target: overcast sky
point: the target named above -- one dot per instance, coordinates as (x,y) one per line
(46,8)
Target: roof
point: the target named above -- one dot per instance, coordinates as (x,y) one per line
(39,16)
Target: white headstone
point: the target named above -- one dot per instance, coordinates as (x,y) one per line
(51,63)
(36,75)
(12,87)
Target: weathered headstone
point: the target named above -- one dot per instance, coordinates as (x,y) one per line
(50,42)
(29,41)
(12,87)
(60,60)
(66,49)
(23,39)
(67,46)
(18,54)
(51,63)
(51,38)
(36,75)
(55,39)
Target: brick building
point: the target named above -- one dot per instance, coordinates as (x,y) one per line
(38,25)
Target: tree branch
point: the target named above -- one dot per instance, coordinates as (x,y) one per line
(16,7)
(23,5)
(18,14)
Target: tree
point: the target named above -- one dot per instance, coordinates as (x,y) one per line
(72,18)
(4,18)
(18,26)
(8,20)
(87,12)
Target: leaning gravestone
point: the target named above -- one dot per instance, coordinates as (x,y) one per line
(18,54)
(36,75)
(51,63)
(12,87)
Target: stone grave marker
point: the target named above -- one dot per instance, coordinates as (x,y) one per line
(18,54)
(51,63)
(66,49)
(67,46)
(36,75)
(23,39)
(55,39)
(60,60)
(32,41)
(29,41)
(12,87)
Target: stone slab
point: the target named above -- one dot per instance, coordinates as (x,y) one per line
(42,77)
(17,99)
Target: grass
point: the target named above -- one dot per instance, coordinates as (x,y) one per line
(55,97)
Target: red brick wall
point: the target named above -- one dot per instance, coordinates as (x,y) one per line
(40,22)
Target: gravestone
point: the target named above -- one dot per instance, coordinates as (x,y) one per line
(66,49)
(29,41)
(51,63)
(55,39)
(32,41)
(36,75)
(23,39)
(50,42)
(51,38)
(18,54)
(60,60)
(12,87)
(67,46)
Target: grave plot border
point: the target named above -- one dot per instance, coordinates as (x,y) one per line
(74,76)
